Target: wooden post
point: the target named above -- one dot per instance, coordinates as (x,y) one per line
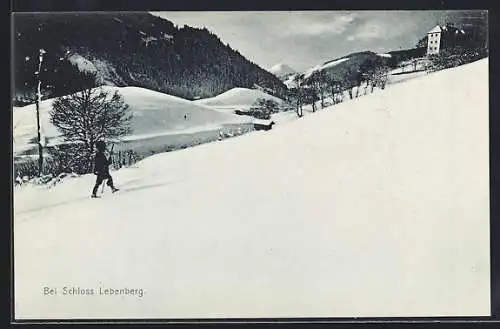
(38,100)
(40,148)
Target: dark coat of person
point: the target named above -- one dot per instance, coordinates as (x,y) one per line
(101,169)
(101,164)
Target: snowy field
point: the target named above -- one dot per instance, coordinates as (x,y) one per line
(154,114)
(374,207)
(402,77)
(236,99)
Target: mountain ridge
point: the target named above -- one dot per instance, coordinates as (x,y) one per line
(128,49)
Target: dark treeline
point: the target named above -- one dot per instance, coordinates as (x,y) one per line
(128,49)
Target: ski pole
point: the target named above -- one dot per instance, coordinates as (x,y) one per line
(111,154)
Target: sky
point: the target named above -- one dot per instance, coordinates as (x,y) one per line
(303,39)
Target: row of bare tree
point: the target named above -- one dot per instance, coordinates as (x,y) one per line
(319,85)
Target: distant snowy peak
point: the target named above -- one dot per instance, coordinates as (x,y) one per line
(282,70)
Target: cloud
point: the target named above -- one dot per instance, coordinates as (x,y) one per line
(337,26)
(332,23)
(281,24)
(347,17)
(383,26)
(369,31)
(297,38)
(304,39)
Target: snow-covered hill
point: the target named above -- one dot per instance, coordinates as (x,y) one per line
(236,98)
(324,66)
(342,68)
(290,82)
(374,207)
(153,113)
(282,70)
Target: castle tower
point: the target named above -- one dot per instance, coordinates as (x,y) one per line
(434,40)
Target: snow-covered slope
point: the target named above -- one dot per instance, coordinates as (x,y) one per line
(385,55)
(282,70)
(290,83)
(153,112)
(340,68)
(324,66)
(237,98)
(374,207)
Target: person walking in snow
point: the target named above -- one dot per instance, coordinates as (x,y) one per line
(101,169)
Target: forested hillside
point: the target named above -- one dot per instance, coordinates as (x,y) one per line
(127,49)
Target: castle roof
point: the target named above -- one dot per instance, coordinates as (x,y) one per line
(436,29)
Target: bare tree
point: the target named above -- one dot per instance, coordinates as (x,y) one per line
(349,80)
(339,92)
(299,80)
(311,96)
(310,90)
(369,77)
(264,108)
(90,115)
(349,90)
(310,85)
(322,86)
(318,82)
(359,81)
(380,76)
(334,89)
